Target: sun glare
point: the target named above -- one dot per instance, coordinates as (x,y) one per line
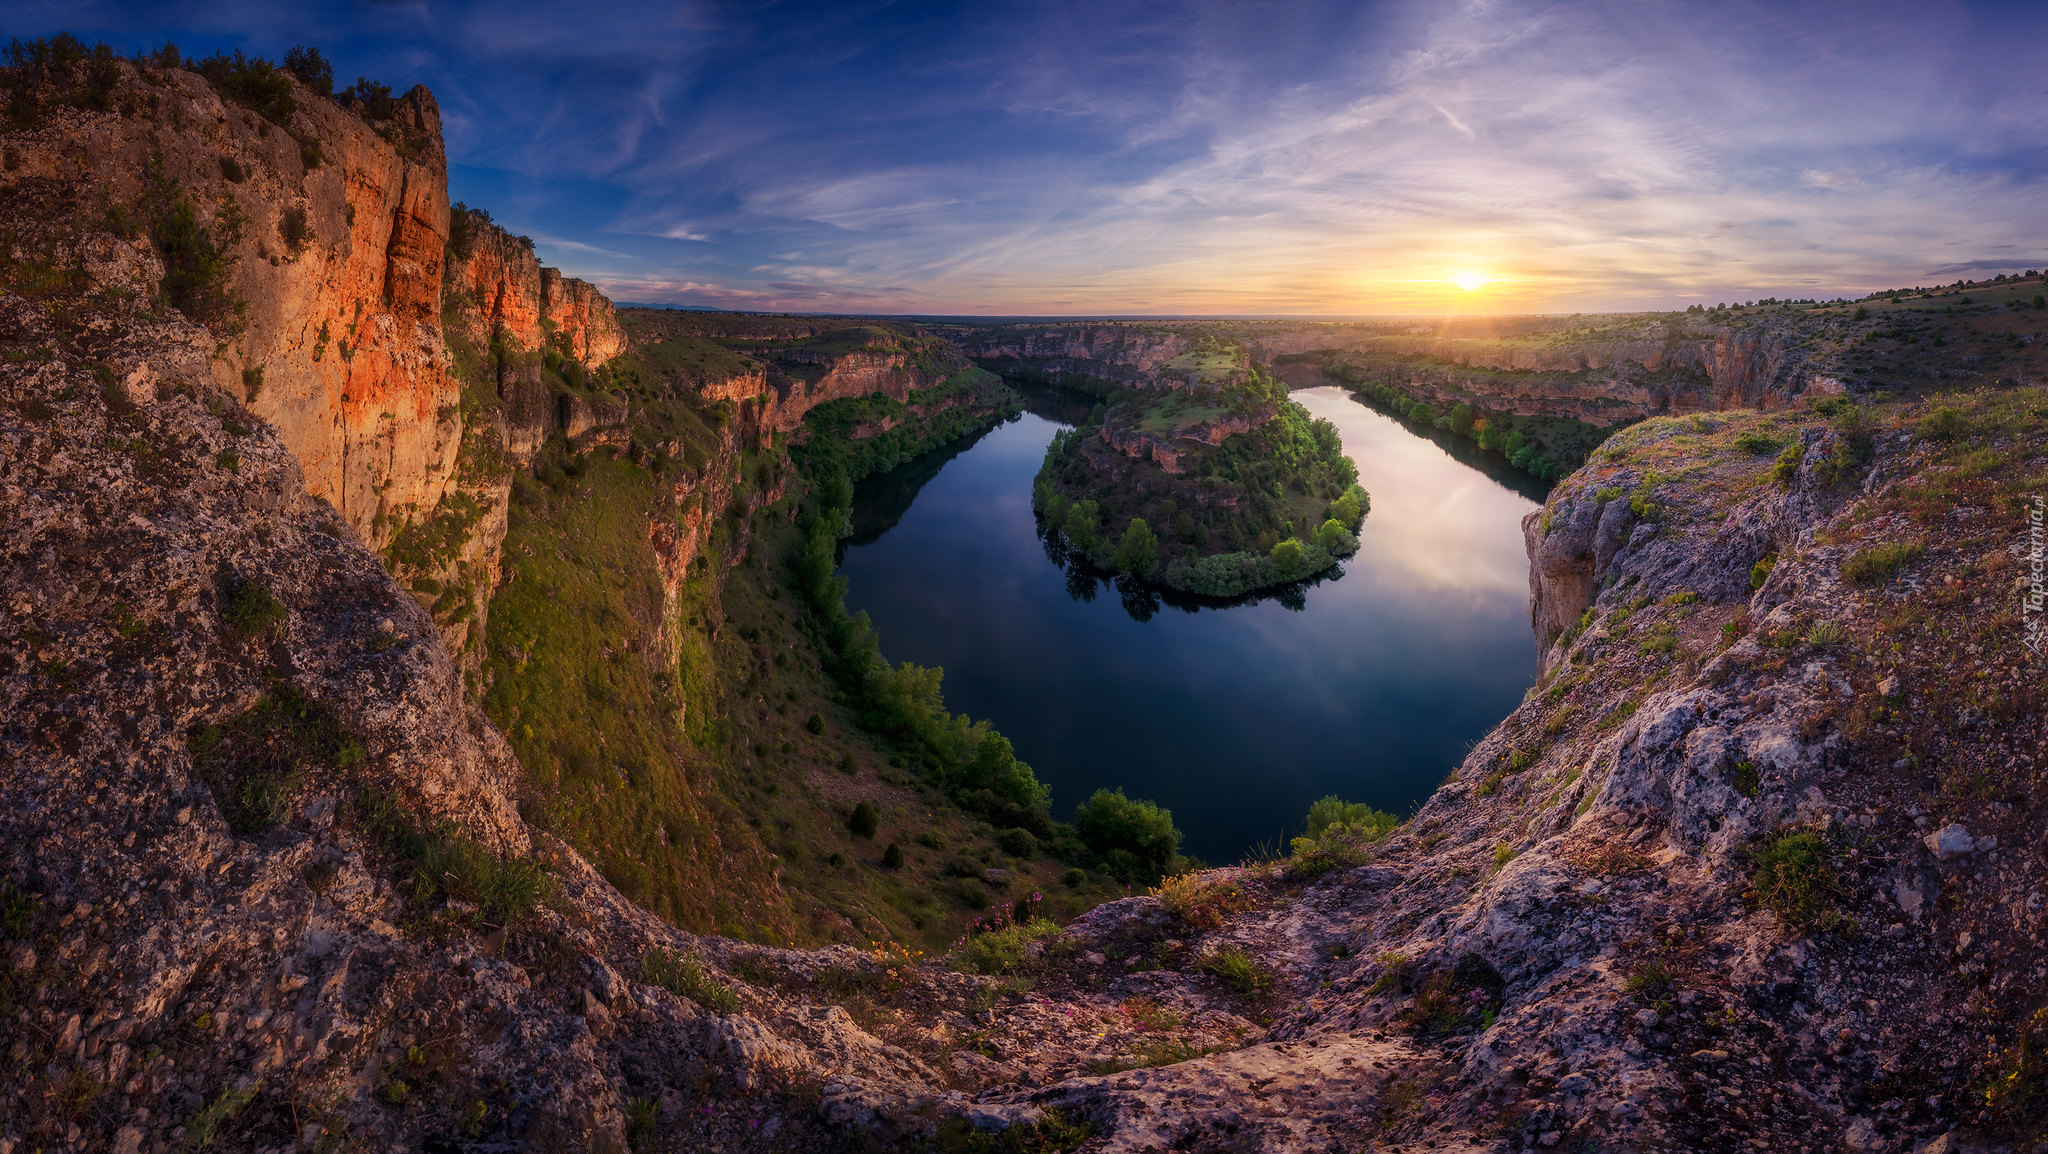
(1469,280)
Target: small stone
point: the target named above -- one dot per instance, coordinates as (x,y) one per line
(1094,959)
(1889,687)
(22,956)
(185,816)
(1648,1017)
(127,1140)
(1950,842)
(1550,1138)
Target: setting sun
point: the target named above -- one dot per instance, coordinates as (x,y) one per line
(1469,280)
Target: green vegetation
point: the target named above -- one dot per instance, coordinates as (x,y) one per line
(199,259)
(256,761)
(1237,969)
(248,609)
(1201,901)
(686,977)
(437,861)
(1880,563)
(1132,840)
(1795,877)
(1545,447)
(209,1121)
(1272,504)
(1002,950)
(1051,1134)
(1339,835)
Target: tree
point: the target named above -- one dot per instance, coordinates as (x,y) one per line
(1139,550)
(1083,522)
(1288,555)
(1135,839)
(1462,416)
(311,68)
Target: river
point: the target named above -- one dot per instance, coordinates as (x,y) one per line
(1370,685)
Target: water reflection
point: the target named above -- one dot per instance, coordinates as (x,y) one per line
(1369,686)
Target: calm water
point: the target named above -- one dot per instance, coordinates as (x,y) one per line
(1370,685)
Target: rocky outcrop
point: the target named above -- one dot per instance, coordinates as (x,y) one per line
(516,298)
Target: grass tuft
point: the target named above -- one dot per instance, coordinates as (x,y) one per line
(685,977)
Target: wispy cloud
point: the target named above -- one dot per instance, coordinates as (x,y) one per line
(1321,156)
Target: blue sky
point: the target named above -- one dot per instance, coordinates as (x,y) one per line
(1192,157)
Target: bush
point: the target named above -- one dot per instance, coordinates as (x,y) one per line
(864,820)
(372,100)
(686,977)
(1757,443)
(1795,878)
(1017,842)
(1237,969)
(311,68)
(248,609)
(1761,571)
(198,262)
(1880,563)
(1135,840)
(506,890)
(1339,835)
(251,81)
(294,228)
(1201,901)
(815,723)
(892,857)
(1785,469)
(1945,423)
(1003,950)
(1074,878)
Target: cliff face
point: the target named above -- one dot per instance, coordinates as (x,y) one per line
(514,297)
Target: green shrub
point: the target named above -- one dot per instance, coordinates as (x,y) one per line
(685,977)
(1880,563)
(1785,469)
(251,81)
(864,820)
(1288,555)
(1757,443)
(1074,878)
(198,261)
(1051,1134)
(892,857)
(815,723)
(1135,839)
(1944,423)
(1761,571)
(1237,969)
(1795,877)
(1001,951)
(248,609)
(1339,835)
(1017,842)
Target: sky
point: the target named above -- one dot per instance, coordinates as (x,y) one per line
(1208,158)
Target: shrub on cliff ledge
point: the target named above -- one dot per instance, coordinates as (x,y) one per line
(1880,563)
(1340,835)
